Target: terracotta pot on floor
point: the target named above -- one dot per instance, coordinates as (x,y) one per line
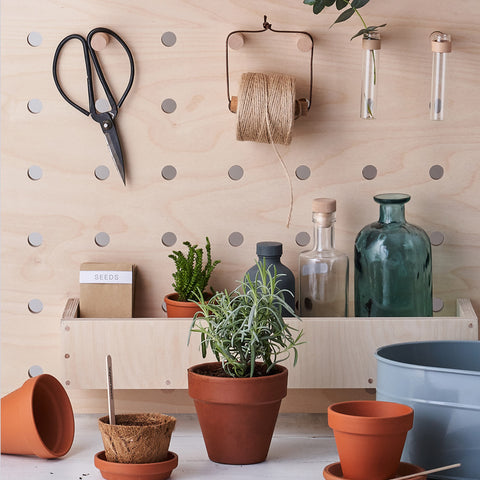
(37,419)
(370,436)
(237,415)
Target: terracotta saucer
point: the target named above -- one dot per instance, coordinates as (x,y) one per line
(137,471)
(334,471)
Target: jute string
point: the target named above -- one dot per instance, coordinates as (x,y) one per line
(266,113)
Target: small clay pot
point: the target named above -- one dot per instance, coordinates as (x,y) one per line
(37,419)
(370,436)
(176,309)
(137,437)
(334,471)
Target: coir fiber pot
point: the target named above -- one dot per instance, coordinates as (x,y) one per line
(37,419)
(137,437)
(370,436)
(237,415)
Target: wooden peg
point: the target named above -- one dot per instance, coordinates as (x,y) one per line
(304,43)
(99,41)
(236,41)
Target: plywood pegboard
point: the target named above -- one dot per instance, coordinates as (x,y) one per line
(68,206)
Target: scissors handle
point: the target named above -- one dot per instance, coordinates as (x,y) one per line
(88,52)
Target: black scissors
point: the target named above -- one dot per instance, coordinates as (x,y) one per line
(105,119)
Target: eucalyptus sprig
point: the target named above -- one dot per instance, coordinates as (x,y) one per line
(349,8)
(246,325)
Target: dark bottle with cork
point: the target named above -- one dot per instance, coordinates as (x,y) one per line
(270,253)
(323,271)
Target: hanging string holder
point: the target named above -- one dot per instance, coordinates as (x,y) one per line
(235,40)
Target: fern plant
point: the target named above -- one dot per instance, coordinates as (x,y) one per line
(246,325)
(191,276)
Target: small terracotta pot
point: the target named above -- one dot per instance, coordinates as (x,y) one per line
(370,436)
(37,419)
(237,415)
(334,471)
(176,309)
(137,437)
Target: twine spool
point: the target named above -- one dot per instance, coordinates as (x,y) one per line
(137,438)
(266,108)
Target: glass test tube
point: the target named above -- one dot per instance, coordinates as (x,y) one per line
(441,45)
(371,45)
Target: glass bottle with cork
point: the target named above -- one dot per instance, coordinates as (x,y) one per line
(323,271)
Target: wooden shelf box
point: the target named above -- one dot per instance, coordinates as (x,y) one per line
(152,353)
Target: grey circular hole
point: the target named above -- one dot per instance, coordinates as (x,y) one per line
(102,239)
(102,105)
(34,39)
(437,304)
(35,173)
(436,172)
(35,371)
(34,105)
(437,238)
(302,239)
(169,39)
(303,172)
(35,239)
(169,239)
(369,172)
(235,239)
(102,172)
(169,172)
(169,105)
(235,172)
(35,305)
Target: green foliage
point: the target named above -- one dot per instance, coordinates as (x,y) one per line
(349,8)
(246,325)
(191,276)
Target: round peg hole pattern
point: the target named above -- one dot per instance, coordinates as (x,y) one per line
(102,239)
(169,39)
(437,238)
(235,172)
(35,239)
(303,172)
(34,39)
(436,172)
(34,105)
(437,304)
(302,239)
(369,172)
(169,172)
(169,239)
(169,105)
(235,239)
(102,172)
(35,371)
(35,172)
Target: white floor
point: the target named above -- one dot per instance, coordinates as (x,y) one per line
(301,447)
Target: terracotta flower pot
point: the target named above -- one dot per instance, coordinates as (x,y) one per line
(137,437)
(237,415)
(37,419)
(370,436)
(176,309)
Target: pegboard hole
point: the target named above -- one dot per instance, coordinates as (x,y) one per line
(437,304)
(169,239)
(436,172)
(34,39)
(169,39)
(235,172)
(102,239)
(302,239)
(169,172)
(169,105)
(34,105)
(102,105)
(437,238)
(369,172)
(102,172)
(303,172)
(35,172)
(235,239)
(35,371)
(35,239)
(35,305)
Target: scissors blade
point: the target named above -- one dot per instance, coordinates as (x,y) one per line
(113,142)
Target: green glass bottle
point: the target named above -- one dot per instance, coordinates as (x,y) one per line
(393,264)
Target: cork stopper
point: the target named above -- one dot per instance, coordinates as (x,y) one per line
(371,41)
(324,205)
(441,42)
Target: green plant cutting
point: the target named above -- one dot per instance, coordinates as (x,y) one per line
(191,276)
(349,8)
(246,326)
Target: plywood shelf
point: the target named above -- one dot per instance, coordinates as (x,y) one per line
(152,353)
